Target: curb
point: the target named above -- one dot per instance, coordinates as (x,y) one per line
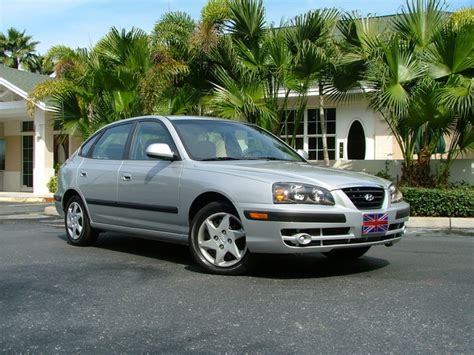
(26,199)
(51,211)
(440,222)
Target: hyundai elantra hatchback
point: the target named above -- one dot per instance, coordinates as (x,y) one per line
(227,189)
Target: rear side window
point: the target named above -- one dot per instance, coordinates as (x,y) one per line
(111,145)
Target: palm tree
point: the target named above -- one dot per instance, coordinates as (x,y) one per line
(417,77)
(17,49)
(98,86)
(182,47)
(252,64)
(310,38)
(451,64)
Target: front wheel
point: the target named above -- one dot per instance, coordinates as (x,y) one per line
(78,229)
(349,253)
(217,240)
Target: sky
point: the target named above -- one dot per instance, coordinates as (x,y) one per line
(81,23)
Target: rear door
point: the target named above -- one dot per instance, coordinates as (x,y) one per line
(148,187)
(98,173)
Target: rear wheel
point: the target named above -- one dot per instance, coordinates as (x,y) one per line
(350,253)
(77,222)
(217,240)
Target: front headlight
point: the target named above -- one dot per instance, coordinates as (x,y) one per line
(395,193)
(290,192)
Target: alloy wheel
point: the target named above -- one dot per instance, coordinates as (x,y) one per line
(221,239)
(75,220)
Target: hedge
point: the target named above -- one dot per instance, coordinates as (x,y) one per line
(452,202)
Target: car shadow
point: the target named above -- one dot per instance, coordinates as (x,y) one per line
(125,243)
(312,266)
(265,265)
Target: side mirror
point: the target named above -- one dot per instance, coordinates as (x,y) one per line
(161,151)
(302,153)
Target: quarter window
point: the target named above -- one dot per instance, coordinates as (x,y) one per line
(111,145)
(149,133)
(86,148)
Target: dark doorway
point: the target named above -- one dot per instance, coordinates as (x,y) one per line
(356,142)
(27,158)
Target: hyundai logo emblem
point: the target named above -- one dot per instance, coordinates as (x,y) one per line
(369,197)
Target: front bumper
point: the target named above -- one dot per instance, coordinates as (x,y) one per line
(330,228)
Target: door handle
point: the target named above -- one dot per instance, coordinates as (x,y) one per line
(82,174)
(126,177)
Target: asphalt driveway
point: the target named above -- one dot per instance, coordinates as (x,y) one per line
(132,295)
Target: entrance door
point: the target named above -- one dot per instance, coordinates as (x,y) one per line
(27,163)
(356,142)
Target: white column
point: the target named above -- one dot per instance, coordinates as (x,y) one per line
(43,148)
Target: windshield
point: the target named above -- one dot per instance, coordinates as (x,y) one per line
(208,140)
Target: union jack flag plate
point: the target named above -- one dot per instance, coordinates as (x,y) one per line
(375,223)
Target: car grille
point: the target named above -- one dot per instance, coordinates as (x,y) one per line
(358,197)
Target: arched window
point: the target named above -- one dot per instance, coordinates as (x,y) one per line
(356,142)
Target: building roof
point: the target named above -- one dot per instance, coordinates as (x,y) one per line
(23,80)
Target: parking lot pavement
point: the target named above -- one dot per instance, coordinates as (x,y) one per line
(131,295)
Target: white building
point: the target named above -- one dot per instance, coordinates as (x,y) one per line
(353,131)
(29,145)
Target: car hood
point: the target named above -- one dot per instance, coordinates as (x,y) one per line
(282,171)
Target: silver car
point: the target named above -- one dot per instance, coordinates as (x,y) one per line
(227,189)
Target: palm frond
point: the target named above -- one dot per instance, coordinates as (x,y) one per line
(419,21)
(452,51)
(247,21)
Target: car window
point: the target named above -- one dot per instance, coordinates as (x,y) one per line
(111,144)
(149,133)
(86,147)
(227,140)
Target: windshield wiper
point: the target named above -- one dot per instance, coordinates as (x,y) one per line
(219,159)
(268,158)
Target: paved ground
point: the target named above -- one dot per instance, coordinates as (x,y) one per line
(133,295)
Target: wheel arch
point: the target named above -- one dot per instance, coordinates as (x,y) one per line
(206,198)
(67,196)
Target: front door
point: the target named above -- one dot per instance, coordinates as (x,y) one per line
(147,195)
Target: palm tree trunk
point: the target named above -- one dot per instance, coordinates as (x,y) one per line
(322,123)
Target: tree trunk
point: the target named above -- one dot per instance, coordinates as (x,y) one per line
(418,173)
(322,123)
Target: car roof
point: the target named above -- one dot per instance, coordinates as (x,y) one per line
(169,118)
(200,118)
(176,118)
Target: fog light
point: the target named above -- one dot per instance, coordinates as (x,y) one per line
(303,239)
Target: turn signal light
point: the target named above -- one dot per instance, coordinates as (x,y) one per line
(258,215)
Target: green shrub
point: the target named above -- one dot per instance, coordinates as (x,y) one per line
(424,202)
(385,172)
(53,184)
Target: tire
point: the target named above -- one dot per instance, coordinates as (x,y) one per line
(77,223)
(217,240)
(349,253)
